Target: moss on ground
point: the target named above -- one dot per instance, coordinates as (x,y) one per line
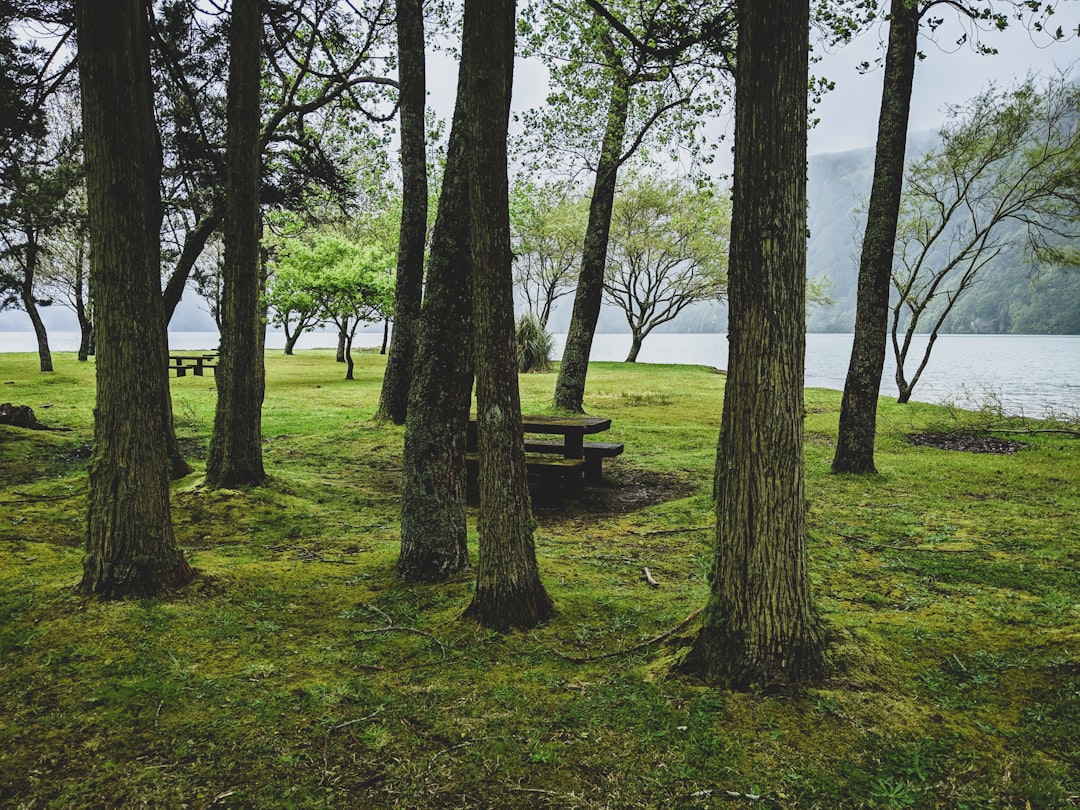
(297,672)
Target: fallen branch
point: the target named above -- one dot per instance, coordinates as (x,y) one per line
(636,648)
(672,531)
(646,574)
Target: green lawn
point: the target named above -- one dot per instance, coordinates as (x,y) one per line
(297,672)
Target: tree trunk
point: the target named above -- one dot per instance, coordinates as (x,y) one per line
(635,346)
(759,626)
(86,327)
(394,398)
(433,528)
(29,303)
(236,446)
(509,592)
(342,336)
(858,410)
(131,549)
(570,385)
(290,341)
(194,243)
(348,357)
(385,336)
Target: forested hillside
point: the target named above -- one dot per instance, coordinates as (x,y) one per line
(1012,297)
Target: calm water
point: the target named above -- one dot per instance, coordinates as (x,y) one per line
(1029,374)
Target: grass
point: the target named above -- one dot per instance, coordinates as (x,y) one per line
(297,672)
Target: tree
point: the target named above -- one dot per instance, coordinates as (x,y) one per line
(131,549)
(38,177)
(408,289)
(357,287)
(65,274)
(858,410)
(759,627)
(547,224)
(509,592)
(289,294)
(433,520)
(668,250)
(625,75)
(235,457)
(1003,178)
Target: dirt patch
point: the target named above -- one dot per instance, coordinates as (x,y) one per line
(966,443)
(624,489)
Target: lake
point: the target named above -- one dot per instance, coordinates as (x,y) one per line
(1028,374)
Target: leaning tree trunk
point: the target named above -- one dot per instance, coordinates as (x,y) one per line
(29,303)
(433,527)
(858,410)
(131,549)
(759,626)
(236,446)
(509,592)
(635,346)
(570,385)
(408,292)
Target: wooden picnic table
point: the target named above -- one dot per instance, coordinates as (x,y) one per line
(197,364)
(571,451)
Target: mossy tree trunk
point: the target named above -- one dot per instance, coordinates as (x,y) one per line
(236,445)
(408,292)
(131,549)
(509,592)
(433,527)
(570,385)
(759,626)
(858,409)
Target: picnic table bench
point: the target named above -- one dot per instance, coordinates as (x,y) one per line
(197,364)
(567,455)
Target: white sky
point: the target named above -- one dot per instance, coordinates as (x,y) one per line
(849,113)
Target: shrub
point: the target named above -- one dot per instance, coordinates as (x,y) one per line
(535,344)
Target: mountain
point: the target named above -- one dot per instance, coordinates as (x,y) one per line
(1013,296)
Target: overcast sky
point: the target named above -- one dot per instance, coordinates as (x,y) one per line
(849,113)
(950,74)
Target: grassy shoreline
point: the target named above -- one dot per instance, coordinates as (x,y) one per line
(297,672)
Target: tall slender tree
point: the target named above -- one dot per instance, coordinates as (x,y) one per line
(433,521)
(509,592)
(627,76)
(131,549)
(408,291)
(858,410)
(759,626)
(236,445)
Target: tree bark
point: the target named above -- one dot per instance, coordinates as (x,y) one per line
(636,339)
(433,527)
(236,445)
(759,626)
(131,548)
(408,292)
(858,410)
(509,592)
(570,385)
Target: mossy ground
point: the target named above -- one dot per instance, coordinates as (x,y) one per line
(297,672)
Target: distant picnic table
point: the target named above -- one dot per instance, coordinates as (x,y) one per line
(569,455)
(197,364)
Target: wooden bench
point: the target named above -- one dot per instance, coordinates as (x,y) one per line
(197,364)
(546,470)
(594,452)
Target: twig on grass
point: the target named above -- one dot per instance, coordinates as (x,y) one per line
(654,532)
(636,648)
